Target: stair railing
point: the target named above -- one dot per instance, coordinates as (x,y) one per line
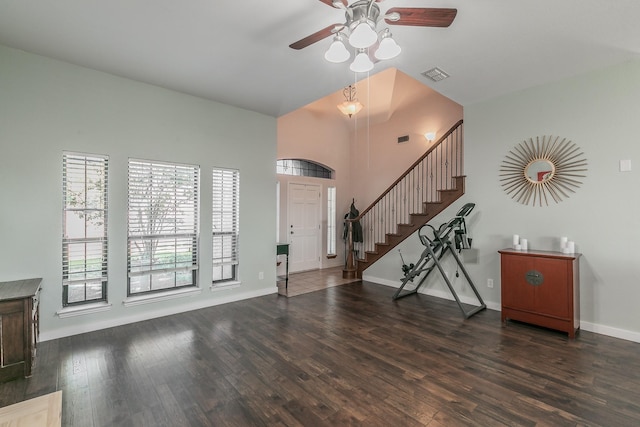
(433,171)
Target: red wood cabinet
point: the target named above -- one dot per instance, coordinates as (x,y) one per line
(541,288)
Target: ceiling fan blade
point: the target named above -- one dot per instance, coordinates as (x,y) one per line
(422,16)
(315,37)
(330,2)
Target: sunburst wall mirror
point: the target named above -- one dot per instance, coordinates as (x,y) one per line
(547,168)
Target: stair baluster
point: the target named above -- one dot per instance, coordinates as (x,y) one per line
(431,184)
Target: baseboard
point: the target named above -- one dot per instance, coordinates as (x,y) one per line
(438,293)
(610,331)
(587,326)
(81,328)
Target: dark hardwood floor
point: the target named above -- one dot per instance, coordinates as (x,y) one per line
(311,281)
(346,355)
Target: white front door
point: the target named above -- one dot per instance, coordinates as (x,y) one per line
(304,226)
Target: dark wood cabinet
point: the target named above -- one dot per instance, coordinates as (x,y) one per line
(19,327)
(541,288)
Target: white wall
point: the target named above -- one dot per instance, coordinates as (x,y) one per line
(598,111)
(48,106)
(303,134)
(363,150)
(377,157)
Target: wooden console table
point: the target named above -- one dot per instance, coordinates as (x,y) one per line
(19,320)
(541,288)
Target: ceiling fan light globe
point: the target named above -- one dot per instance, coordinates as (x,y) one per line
(361,63)
(363,36)
(388,49)
(337,52)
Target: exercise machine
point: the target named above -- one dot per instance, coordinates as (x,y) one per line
(450,237)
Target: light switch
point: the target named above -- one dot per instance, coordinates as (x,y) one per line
(625,165)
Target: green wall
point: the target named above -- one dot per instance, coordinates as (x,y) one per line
(598,111)
(47,107)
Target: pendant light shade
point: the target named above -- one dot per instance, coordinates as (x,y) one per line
(350,108)
(350,105)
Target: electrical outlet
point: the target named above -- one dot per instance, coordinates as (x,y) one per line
(261,275)
(489,283)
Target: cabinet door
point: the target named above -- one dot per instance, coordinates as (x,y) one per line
(552,295)
(516,292)
(12,337)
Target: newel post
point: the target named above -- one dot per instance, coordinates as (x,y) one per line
(349,271)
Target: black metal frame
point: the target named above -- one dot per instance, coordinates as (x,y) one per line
(437,248)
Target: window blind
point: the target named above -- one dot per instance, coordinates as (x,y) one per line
(226,230)
(84,228)
(331,220)
(162,226)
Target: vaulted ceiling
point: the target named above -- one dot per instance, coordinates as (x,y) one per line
(236,52)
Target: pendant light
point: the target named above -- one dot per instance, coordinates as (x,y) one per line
(350,105)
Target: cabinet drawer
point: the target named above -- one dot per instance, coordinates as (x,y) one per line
(7,307)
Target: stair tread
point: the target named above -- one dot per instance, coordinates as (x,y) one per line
(430,209)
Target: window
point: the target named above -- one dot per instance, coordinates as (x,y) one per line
(84,228)
(302,168)
(162,249)
(226,195)
(331,221)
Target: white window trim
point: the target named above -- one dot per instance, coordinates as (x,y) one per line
(104,281)
(161,296)
(84,309)
(140,298)
(227,284)
(224,286)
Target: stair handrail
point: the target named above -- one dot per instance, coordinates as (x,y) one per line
(408,171)
(450,139)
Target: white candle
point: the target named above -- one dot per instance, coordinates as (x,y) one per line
(518,247)
(563,242)
(524,244)
(571,247)
(516,240)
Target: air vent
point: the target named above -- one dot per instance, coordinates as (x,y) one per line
(435,74)
(403,139)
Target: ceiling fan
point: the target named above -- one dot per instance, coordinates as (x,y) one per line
(361,20)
